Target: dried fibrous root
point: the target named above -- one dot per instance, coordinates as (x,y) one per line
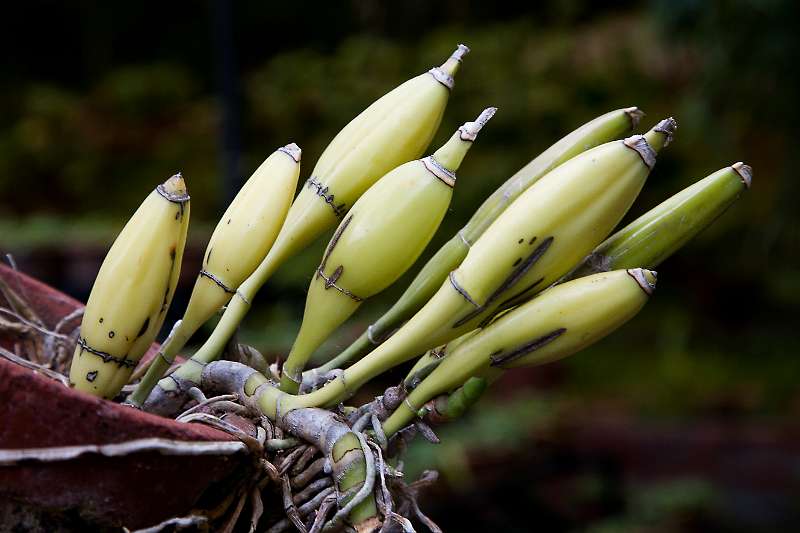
(322,513)
(322,503)
(304,459)
(48,348)
(234,517)
(311,486)
(251,442)
(207,402)
(174,524)
(408,495)
(304,478)
(52,374)
(257,508)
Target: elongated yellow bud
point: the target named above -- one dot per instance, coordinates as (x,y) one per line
(132,292)
(559,322)
(241,240)
(245,233)
(546,231)
(396,128)
(381,237)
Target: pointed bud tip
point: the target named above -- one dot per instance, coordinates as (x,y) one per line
(175,185)
(460,52)
(635,115)
(668,126)
(174,189)
(292,150)
(469,131)
(444,74)
(646,279)
(745,172)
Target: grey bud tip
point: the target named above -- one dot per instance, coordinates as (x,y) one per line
(635,115)
(667,127)
(745,172)
(639,144)
(461,51)
(469,131)
(646,279)
(292,150)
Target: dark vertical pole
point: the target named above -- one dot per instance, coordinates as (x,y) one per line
(228,97)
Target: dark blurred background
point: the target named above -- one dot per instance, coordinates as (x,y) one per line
(684,420)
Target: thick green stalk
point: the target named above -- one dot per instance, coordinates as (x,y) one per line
(598,131)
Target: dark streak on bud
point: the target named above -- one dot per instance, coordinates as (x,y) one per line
(335,241)
(460,290)
(498,360)
(331,282)
(215,279)
(144,327)
(511,280)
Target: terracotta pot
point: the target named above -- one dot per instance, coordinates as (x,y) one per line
(92,492)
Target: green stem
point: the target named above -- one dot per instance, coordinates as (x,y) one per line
(161,362)
(234,314)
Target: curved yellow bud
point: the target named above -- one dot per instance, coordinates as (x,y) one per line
(132,292)
(245,233)
(396,128)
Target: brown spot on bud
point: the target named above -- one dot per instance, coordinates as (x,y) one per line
(144,327)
